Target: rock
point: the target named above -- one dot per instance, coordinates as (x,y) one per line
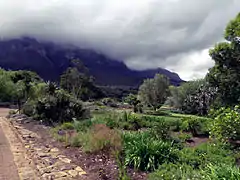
(73,173)
(66,167)
(42,154)
(54,150)
(82,173)
(65,160)
(79,169)
(60,174)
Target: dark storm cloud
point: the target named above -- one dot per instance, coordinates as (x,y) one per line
(142,33)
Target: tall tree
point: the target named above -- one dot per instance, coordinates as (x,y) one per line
(225,74)
(77,81)
(180,93)
(154,92)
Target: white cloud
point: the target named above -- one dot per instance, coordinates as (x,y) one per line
(143,33)
(193,65)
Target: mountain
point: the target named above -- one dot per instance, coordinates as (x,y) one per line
(50,60)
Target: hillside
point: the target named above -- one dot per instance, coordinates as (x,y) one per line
(49,60)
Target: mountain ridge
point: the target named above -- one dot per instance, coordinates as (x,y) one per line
(50,60)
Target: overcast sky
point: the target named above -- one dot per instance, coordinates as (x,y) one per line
(172,34)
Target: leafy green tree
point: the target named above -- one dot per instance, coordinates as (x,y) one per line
(200,102)
(133,101)
(225,74)
(76,80)
(154,92)
(179,94)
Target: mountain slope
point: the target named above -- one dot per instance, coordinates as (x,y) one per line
(50,61)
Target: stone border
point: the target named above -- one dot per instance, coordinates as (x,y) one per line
(49,162)
(24,164)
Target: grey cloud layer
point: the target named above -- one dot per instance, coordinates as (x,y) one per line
(143,33)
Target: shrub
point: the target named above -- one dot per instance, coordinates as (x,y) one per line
(222,171)
(162,130)
(172,171)
(29,108)
(67,126)
(226,124)
(145,152)
(99,138)
(195,125)
(183,137)
(82,126)
(59,106)
(198,157)
(125,120)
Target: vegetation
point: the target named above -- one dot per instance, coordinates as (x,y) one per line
(201,142)
(154,92)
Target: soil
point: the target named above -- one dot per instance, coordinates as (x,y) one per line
(100,166)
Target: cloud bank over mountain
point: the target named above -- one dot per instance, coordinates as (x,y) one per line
(172,34)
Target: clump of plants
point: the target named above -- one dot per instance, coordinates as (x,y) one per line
(145,152)
(99,138)
(226,124)
(58,106)
(195,125)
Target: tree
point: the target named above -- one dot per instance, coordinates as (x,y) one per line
(77,81)
(133,101)
(225,74)
(154,92)
(180,93)
(200,102)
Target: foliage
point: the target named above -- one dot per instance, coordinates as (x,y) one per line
(133,101)
(225,74)
(221,171)
(77,81)
(195,125)
(124,120)
(226,124)
(83,125)
(170,171)
(180,93)
(58,106)
(145,152)
(198,157)
(154,92)
(162,130)
(109,102)
(99,138)
(200,102)
(158,112)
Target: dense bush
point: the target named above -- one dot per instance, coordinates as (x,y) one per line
(226,124)
(59,106)
(195,125)
(145,152)
(162,130)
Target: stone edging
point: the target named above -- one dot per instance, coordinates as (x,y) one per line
(48,161)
